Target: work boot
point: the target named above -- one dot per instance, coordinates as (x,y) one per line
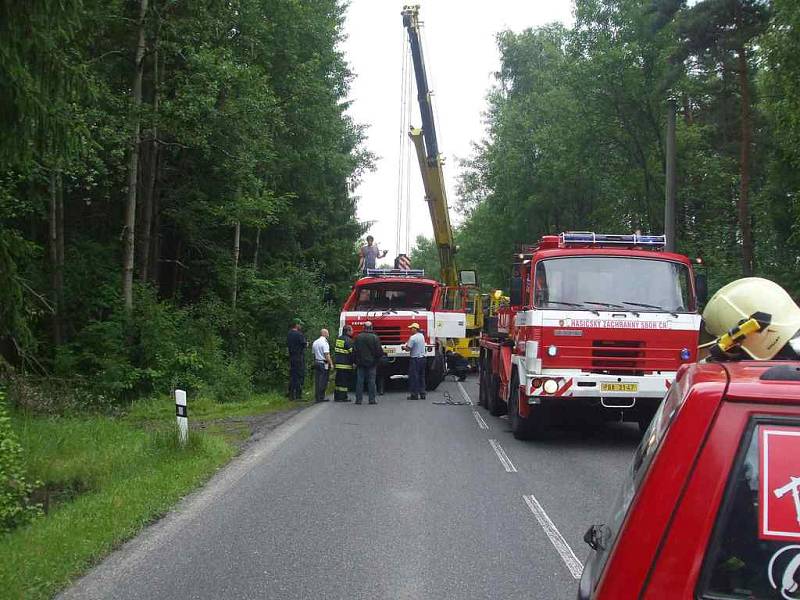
(412,397)
(374,402)
(422,396)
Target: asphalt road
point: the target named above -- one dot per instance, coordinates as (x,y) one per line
(407,499)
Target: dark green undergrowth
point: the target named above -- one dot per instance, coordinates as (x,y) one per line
(103,479)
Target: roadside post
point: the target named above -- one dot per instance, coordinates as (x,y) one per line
(181,414)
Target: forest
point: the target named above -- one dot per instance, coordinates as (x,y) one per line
(176,185)
(576,124)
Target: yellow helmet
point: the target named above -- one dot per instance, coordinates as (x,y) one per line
(740,300)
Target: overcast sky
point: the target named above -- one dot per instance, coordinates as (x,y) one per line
(461,56)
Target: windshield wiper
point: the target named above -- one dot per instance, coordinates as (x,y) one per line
(573,304)
(564,303)
(606,304)
(653,306)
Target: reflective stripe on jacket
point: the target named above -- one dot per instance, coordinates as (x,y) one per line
(343,352)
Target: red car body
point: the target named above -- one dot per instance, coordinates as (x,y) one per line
(705,511)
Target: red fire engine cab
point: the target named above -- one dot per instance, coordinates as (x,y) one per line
(393,299)
(710,505)
(597,324)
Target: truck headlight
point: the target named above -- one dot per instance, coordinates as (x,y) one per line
(551,386)
(552,351)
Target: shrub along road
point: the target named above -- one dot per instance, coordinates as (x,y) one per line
(406,499)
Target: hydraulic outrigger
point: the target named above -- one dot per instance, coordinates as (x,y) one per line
(463,293)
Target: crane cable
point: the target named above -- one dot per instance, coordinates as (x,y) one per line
(403,204)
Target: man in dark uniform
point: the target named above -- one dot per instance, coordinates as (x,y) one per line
(367,353)
(296,343)
(343,351)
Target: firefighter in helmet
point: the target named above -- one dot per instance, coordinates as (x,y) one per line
(753,318)
(343,352)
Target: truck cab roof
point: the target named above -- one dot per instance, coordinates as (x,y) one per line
(601,251)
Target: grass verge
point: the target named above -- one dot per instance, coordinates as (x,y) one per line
(103,479)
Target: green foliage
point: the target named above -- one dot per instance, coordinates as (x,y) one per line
(242,124)
(15,490)
(576,133)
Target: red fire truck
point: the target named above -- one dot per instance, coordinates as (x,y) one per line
(392,300)
(597,324)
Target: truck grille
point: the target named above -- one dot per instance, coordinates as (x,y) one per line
(391,335)
(616,357)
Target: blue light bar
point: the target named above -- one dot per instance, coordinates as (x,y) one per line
(395,273)
(583,238)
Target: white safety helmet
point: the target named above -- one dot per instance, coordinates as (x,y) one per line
(741,299)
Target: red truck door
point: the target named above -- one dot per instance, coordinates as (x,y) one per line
(736,530)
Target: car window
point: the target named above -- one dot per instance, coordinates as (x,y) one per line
(635,474)
(755,548)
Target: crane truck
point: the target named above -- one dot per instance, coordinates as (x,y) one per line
(596,325)
(393,299)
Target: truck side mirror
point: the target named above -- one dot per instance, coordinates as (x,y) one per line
(701,287)
(516,290)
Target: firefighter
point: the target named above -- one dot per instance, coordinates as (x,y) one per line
(753,318)
(343,351)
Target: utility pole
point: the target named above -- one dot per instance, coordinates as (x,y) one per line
(671,186)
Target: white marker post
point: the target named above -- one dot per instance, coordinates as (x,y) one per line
(182,415)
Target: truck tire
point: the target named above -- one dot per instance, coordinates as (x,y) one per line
(525,428)
(435,373)
(493,402)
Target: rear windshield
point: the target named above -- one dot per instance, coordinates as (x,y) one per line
(755,548)
(392,296)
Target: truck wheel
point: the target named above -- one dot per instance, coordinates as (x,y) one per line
(435,373)
(524,428)
(493,402)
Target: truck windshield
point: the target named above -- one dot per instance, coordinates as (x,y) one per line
(393,296)
(614,283)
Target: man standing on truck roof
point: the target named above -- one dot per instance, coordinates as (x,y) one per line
(323,365)
(343,350)
(367,352)
(369,255)
(296,343)
(416,363)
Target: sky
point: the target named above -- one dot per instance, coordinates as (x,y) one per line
(461,56)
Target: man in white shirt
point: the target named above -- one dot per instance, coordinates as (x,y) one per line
(416,363)
(323,365)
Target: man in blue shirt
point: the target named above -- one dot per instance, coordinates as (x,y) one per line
(416,363)
(369,255)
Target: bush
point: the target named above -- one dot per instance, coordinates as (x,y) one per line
(231,384)
(15,491)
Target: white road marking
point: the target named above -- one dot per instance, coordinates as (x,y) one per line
(503,457)
(464,393)
(562,547)
(481,423)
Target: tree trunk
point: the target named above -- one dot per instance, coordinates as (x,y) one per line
(53,247)
(258,247)
(744,166)
(129,231)
(236,238)
(60,252)
(149,196)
